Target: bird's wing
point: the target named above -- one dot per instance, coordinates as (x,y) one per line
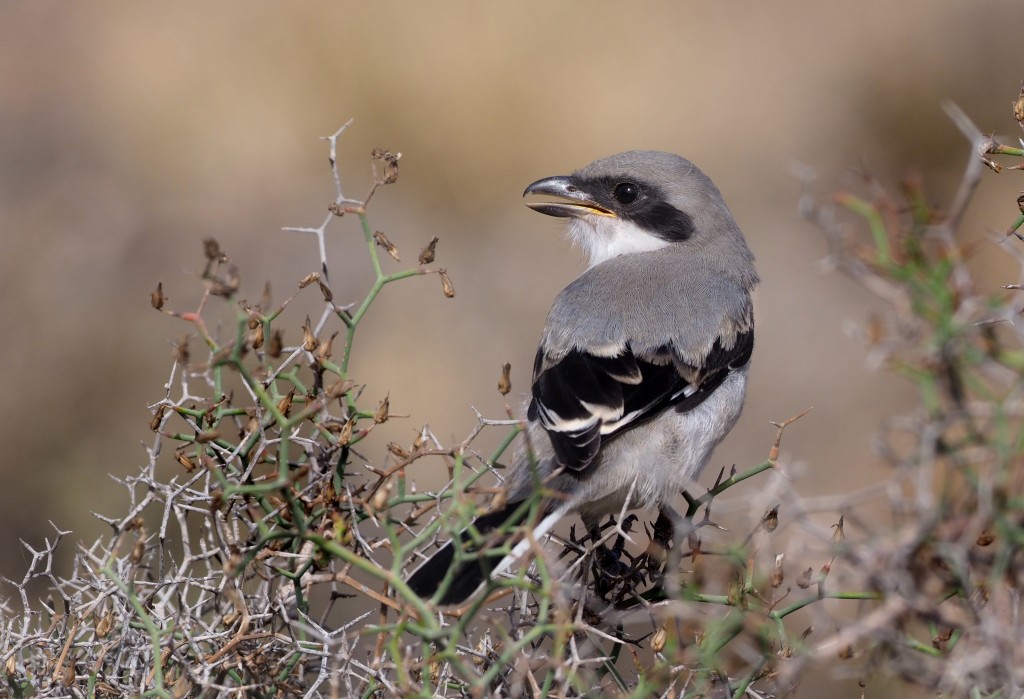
(584,399)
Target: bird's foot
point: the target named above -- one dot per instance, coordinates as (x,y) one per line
(617,573)
(651,563)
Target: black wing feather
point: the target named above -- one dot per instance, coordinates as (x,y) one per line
(583,400)
(567,395)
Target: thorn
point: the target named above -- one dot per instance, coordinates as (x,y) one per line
(773,454)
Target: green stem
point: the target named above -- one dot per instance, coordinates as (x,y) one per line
(151,627)
(811,599)
(694,504)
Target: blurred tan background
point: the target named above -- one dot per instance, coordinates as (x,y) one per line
(129,132)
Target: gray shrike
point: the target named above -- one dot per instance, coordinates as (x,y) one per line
(642,365)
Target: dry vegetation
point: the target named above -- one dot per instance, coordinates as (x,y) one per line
(272,562)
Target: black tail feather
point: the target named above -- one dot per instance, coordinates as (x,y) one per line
(469,575)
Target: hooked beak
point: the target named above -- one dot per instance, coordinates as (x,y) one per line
(578,204)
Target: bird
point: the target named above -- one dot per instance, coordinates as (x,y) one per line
(642,364)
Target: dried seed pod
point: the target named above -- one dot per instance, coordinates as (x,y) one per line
(398,451)
(427,254)
(326,291)
(505,382)
(323,352)
(284,405)
(309,341)
(483,649)
(256,336)
(105,623)
(309,279)
(379,500)
(383,241)
(339,388)
(276,346)
(158,417)
(770,522)
(390,163)
(421,439)
(804,581)
(382,410)
(345,436)
(658,639)
(157,298)
(188,463)
(446,284)
(67,677)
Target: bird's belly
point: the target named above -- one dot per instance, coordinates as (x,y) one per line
(652,463)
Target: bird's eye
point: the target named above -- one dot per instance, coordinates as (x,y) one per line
(626,192)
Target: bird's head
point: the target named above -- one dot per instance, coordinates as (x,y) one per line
(638,201)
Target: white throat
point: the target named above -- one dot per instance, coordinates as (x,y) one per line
(604,237)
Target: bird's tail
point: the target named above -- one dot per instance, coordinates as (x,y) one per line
(468,575)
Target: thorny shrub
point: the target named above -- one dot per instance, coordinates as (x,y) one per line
(272,563)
